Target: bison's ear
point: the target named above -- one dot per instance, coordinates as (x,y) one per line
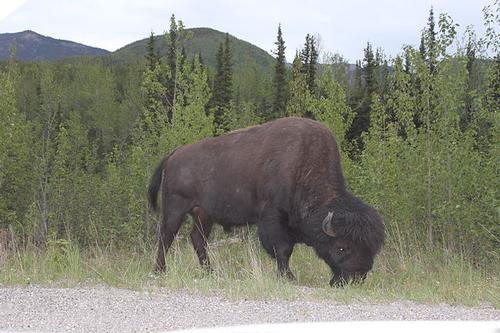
(328,225)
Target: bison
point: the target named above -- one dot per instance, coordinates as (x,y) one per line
(285,177)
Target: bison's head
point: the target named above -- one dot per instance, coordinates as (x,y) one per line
(355,235)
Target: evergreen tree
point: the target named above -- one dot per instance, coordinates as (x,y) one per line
(152,56)
(472,82)
(174,61)
(222,88)
(369,72)
(431,43)
(309,57)
(407,62)
(422,49)
(361,121)
(280,81)
(171,63)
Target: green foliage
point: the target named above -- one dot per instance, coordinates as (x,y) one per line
(191,123)
(446,198)
(15,154)
(332,109)
(300,98)
(73,181)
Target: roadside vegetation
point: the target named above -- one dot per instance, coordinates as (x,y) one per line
(242,270)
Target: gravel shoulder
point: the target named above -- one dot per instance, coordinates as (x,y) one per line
(105,309)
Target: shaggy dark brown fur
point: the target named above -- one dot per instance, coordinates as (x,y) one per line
(285,177)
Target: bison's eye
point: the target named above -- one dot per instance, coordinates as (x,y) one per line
(341,249)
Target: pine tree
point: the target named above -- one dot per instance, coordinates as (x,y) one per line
(152,56)
(422,49)
(305,55)
(309,57)
(431,43)
(279,81)
(173,62)
(472,82)
(172,59)
(361,121)
(369,68)
(407,62)
(222,88)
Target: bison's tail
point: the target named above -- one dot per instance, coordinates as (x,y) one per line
(154,186)
(155,183)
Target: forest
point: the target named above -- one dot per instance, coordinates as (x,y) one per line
(80,137)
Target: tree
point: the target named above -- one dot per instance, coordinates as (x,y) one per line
(300,103)
(174,60)
(340,69)
(422,49)
(472,81)
(191,123)
(431,43)
(309,57)
(279,80)
(171,64)
(332,108)
(428,51)
(152,55)
(223,87)
(361,121)
(154,115)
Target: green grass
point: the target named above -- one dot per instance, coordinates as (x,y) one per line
(242,270)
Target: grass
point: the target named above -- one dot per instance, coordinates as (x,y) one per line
(241,269)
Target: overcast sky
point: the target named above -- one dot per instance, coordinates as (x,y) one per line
(343,25)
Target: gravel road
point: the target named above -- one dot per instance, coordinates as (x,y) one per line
(104,309)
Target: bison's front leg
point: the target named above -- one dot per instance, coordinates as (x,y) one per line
(278,243)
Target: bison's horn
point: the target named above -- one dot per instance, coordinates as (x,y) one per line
(327,225)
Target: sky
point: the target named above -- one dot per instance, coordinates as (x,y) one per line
(343,26)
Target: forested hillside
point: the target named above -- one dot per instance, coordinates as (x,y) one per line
(31,46)
(79,138)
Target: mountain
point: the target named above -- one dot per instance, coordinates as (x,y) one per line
(31,46)
(205,41)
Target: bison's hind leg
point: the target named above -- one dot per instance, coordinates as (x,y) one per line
(199,235)
(175,208)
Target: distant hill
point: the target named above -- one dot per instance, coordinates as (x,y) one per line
(31,46)
(205,41)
